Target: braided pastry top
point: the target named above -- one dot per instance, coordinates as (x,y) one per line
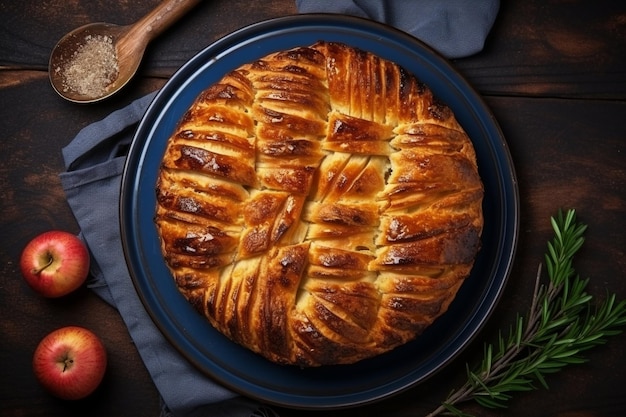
(319,206)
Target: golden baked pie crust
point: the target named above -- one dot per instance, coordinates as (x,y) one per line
(319,206)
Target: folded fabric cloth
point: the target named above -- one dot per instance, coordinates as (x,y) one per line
(455,28)
(94,161)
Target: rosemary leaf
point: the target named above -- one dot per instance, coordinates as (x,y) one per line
(563,321)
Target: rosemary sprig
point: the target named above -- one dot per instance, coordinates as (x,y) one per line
(561,323)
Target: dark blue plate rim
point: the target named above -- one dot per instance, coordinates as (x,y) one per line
(326,387)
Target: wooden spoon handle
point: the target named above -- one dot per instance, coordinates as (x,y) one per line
(161,17)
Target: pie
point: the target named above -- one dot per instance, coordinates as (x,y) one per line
(319,206)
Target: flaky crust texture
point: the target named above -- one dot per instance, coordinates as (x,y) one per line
(319,206)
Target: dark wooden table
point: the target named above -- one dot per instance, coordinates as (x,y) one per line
(554,74)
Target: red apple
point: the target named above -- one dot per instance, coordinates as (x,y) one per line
(55,263)
(70,362)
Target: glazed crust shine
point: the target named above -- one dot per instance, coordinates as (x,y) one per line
(319,206)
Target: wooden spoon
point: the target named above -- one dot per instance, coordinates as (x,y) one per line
(128,46)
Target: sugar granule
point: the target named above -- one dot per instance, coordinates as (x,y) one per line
(92,67)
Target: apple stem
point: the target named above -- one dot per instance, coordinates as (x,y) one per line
(67,363)
(50,259)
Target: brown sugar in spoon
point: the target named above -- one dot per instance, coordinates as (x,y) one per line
(95,61)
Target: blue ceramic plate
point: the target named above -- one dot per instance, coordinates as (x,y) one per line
(330,386)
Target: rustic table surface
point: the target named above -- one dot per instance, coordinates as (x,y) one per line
(553,73)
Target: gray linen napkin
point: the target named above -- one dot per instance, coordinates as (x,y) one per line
(455,28)
(94,161)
